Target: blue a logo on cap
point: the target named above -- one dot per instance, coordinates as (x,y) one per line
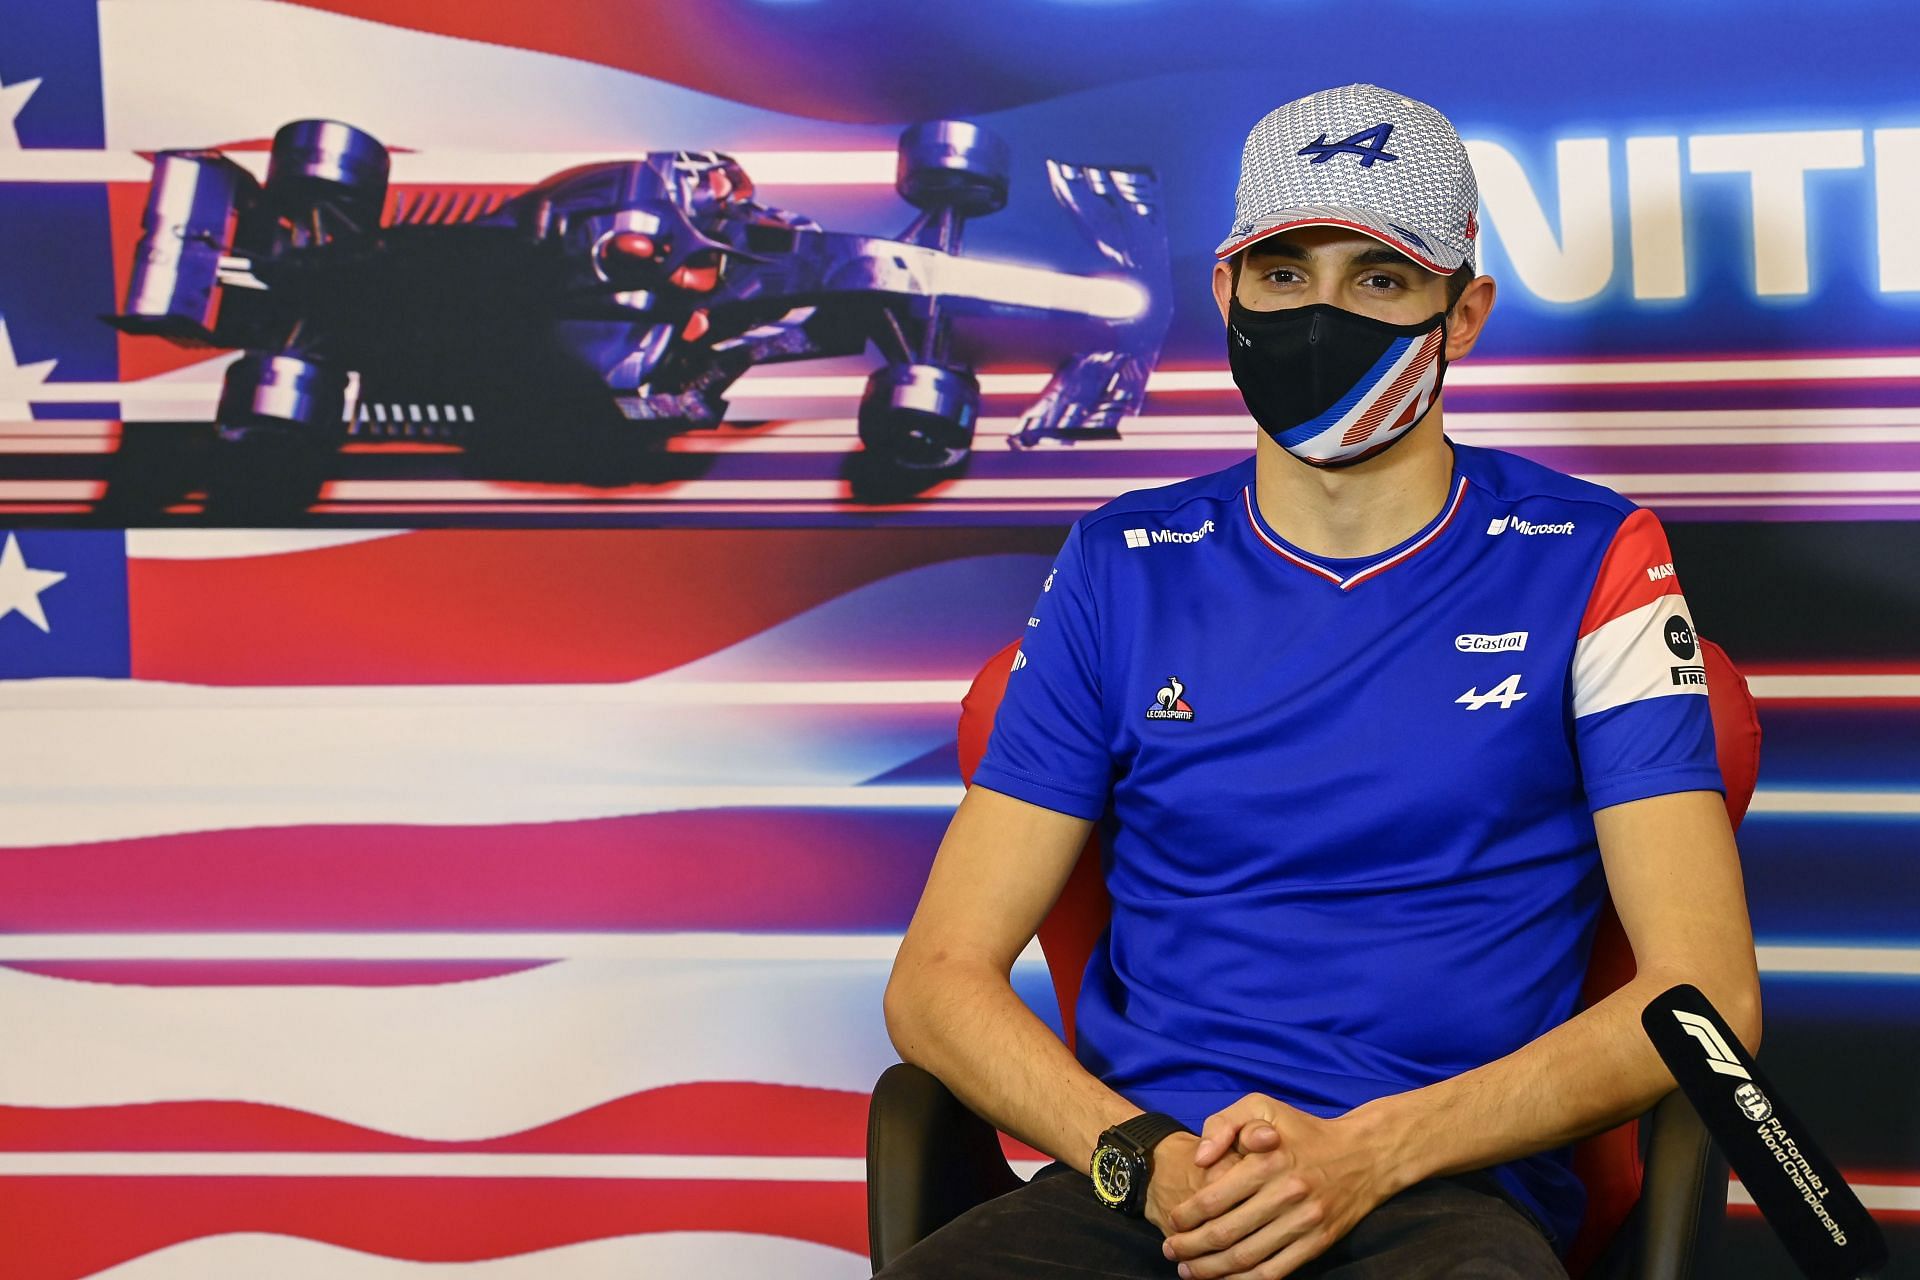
(1354,144)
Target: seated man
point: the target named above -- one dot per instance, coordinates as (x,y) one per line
(1371,722)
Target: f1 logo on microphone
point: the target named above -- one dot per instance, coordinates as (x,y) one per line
(1719,1056)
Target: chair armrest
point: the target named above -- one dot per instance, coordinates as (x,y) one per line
(1674,1230)
(929,1160)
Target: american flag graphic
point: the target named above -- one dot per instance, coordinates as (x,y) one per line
(459,895)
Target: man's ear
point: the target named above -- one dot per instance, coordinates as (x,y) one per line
(1222,287)
(1468,316)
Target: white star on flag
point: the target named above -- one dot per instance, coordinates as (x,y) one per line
(18,380)
(12,98)
(20,586)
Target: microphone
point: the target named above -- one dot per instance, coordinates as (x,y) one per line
(1796,1188)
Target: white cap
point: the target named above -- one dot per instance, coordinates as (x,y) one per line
(1361,157)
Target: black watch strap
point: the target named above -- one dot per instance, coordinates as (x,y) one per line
(1146,1129)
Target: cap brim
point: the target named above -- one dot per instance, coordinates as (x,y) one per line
(1425,250)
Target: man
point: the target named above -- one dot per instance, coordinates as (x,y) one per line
(1370,730)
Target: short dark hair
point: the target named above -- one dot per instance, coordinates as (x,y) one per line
(1456,282)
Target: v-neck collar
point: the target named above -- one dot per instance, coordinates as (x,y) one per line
(1350,573)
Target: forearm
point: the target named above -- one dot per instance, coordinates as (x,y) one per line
(963,1023)
(1594,1071)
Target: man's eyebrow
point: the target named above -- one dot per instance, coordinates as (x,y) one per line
(1277,249)
(1383,257)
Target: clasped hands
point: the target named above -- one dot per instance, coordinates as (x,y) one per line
(1264,1189)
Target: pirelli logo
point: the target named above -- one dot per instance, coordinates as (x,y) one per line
(1694,676)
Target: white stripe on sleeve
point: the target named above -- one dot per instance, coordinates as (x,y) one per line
(1627,659)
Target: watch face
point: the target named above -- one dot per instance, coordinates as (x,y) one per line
(1113,1171)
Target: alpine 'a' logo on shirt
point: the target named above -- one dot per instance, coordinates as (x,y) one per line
(1168,704)
(1506,693)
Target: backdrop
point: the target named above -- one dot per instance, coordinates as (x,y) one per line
(492,857)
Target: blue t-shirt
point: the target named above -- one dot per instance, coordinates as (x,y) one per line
(1346,805)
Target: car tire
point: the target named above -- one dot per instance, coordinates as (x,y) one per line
(952,164)
(319,164)
(280,423)
(919,417)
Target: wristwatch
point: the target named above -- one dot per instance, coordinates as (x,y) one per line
(1123,1161)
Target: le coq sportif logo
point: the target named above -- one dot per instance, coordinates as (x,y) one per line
(1170,703)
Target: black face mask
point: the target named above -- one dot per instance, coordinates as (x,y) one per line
(1332,387)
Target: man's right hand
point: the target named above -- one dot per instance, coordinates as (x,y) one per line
(1177,1175)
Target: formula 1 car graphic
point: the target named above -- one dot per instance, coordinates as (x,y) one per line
(629,293)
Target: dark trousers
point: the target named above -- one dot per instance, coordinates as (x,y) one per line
(1052,1229)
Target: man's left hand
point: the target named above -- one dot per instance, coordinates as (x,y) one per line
(1301,1184)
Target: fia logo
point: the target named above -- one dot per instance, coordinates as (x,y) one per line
(1506,693)
(1355,144)
(1753,1102)
(1168,704)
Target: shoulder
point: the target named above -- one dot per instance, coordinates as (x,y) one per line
(1529,498)
(1615,547)
(1199,498)
(1512,479)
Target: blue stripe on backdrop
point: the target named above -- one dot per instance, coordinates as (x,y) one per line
(51,302)
(1832,881)
(1880,1001)
(58,45)
(1860,746)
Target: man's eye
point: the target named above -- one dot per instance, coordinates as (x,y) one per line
(1382,281)
(1279,271)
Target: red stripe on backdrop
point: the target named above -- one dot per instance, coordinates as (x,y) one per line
(1857,1178)
(1772,696)
(475,606)
(67,1228)
(719,1118)
(710,869)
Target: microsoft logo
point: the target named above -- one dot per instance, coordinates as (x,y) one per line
(1142,538)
